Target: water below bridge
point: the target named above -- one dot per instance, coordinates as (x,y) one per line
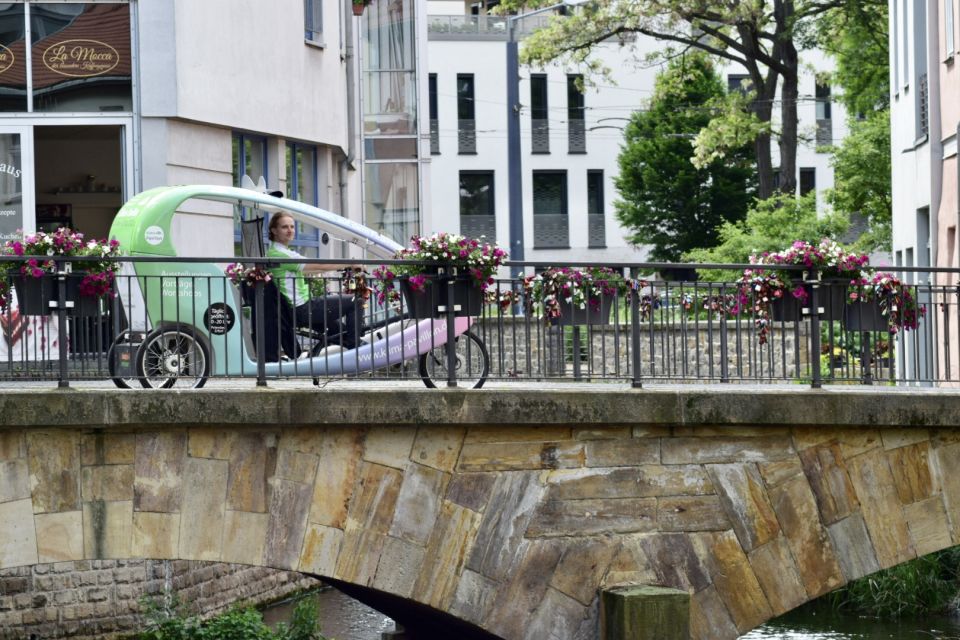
(344,618)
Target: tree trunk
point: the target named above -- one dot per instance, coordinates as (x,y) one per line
(762,108)
(789,95)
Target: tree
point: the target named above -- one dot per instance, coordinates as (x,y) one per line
(862,179)
(760,35)
(667,203)
(770,225)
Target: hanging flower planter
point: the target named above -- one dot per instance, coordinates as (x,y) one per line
(427,302)
(34,296)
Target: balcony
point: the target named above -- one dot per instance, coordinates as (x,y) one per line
(576,136)
(596,230)
(467,136)
(551,231)
(477,226)
(434,136)
(540,135)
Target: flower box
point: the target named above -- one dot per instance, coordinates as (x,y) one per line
(34,296)
(865,316)
(831,297)
(591,314)
(426,303)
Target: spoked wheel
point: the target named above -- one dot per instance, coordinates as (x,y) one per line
(121,356)
(173,356)
(472,362)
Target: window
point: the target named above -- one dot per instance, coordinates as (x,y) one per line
(434,118)
(948,29)
(539,113)
(477,206)
(739,82)
(576,110)
(302,186)
(250,159)
(895,29)
(824,115)
(313,21)
(596,231)
(466,113)
(922,93)
(906,45)
(550,224)
(808,180)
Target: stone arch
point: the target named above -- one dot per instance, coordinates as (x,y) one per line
(508,511)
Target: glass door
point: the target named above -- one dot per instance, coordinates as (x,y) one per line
(17,198)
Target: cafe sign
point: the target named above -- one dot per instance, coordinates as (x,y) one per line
(6,58)
(80,58)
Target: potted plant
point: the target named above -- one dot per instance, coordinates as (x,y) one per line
(760,290)
(435,260)
(359,6)
(566,296)
(882,303)
(836,268)
(90,280)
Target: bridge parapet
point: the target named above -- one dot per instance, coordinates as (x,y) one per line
(506,510)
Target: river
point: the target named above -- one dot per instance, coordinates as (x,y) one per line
(343,618)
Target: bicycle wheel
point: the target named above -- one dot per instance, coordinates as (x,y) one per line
(472,362)
(172,355)
(121,357)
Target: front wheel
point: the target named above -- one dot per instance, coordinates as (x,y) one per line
(171,356)
(471,362)
(121,358)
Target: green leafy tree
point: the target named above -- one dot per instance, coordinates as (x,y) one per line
(668,203)
(862,178)
(762,36)
(770,225)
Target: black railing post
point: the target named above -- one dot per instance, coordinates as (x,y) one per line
(635,329)
(62,271)
(450,283)
(816,380)
(260,332)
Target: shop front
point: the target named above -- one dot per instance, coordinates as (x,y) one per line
(66,115)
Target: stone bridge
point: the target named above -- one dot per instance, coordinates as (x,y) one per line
(495,513)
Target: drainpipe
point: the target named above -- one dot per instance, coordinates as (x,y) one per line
(346,165)
(935,132)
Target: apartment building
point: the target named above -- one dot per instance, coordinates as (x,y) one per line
(569,140)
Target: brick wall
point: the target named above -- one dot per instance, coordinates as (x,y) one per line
(101,598)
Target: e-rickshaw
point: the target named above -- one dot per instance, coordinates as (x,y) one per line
(185,320)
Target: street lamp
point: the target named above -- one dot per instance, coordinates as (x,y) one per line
(514,161)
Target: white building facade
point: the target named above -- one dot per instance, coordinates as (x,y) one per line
(100,100)
(570,142)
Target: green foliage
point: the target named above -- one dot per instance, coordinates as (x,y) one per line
(923,586)
(667,202)
(862,178)
(770,225)
(167,621)
(855,34)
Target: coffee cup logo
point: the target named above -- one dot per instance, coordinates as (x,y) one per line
(6,58)
(81,58)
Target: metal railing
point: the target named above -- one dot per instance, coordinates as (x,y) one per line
(181,322)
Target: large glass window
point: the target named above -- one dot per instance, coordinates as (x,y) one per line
(949,47)
(13,61)
(81,56)
(250,159)
(466,113)
(539,118)
(313,20)
(11,187)
(302,186)
(576,115)
(550,224)
(477,205)
(434,117)
(392,199)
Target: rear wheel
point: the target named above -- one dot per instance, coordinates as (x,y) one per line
(121,357)
(471,362)
(173,356)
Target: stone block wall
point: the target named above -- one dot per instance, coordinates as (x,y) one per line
(101,598)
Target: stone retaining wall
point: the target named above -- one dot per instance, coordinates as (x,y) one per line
(101,598)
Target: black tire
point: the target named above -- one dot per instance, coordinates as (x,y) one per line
(473,362)
(126,344)
(171,355)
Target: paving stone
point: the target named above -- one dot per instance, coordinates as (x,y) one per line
(675,562)
(746,503)
(778,575)
(438,447)
(816,561)
(929,529)
(826,471)
(112,483)
(107,447)
(321,547)
(12,445)
(854,549)
(471,490)
(709,618)
(340,452)
(18,540)
(399,565)
(526,588)
(244,537)
(620,453)
(251,464)
(210,442)
(54,460)
(779,471)
(14,480)
(584,563)
(895,438)
(477,434)
(474,597)
(947,471)
(735,582)
(640,482)
(297,466)
(107,529)
(390,447)
(158,469)
(558,617)
(602,433)
(881,509)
